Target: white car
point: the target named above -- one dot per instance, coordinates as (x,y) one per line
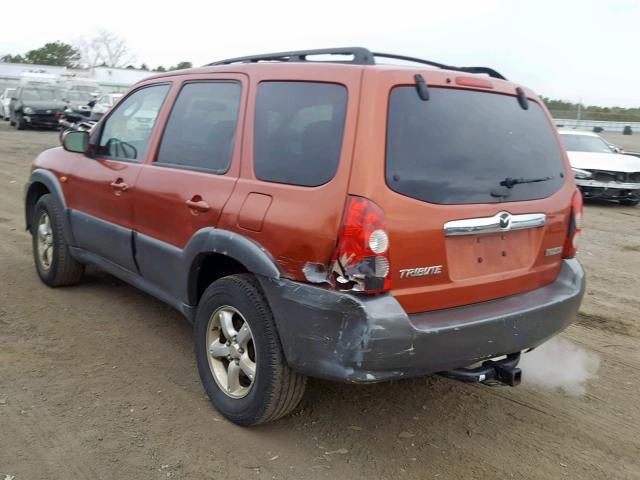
(599,171)
(5,100)
(103,104)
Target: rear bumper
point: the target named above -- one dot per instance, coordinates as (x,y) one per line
(343,337)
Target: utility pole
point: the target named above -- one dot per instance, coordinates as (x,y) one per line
(579,113)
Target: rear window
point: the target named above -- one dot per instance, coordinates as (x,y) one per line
(458,147)
(298,132)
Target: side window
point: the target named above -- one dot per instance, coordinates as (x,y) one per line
(201,129)
(126,132)
(298,132)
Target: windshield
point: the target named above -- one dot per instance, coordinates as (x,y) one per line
(41,94)
(84,88)
(585,143)
(75,96)
(459,146)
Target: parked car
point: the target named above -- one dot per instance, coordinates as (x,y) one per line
(103,104)
(354,222)
(599,170)
(79,102)
(77,111)
(5,100)
(36,106)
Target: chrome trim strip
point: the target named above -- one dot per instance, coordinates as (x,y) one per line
(612,185)
(500,222)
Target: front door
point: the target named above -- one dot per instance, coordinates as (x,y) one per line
(100,189)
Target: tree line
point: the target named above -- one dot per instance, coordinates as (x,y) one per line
(104,50)
(564,109)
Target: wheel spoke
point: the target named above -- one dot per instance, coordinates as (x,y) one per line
(226,324)
(233,377)
(42,232)
(244,335)
(248,366)
(218,350)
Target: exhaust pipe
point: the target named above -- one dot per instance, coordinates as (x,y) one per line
(491,372)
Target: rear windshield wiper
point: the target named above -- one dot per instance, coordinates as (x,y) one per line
(510,182)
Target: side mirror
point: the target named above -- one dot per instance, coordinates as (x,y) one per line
(76,141)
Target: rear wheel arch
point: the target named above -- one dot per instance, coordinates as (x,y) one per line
(215,253)
(206,269)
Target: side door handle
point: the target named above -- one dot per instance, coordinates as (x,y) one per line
(119,185)
(197,205)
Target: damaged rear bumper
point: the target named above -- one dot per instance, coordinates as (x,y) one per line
(338,336)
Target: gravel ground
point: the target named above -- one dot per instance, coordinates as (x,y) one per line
(98,381)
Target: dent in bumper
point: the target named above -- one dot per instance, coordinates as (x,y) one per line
(359,339)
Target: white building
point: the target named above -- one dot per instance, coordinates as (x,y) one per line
(108,79)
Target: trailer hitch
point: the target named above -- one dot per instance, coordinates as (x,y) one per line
(491,372)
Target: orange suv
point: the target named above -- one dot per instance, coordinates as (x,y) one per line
(319,214)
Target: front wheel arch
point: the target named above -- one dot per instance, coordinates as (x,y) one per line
(35,191)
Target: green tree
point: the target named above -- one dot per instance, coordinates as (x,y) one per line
(8,58)
(144,67)
(182,66)
(159,68)
(54,53)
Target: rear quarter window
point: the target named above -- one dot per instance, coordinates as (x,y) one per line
(298,131)
(459,145)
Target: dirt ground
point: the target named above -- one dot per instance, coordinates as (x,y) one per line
(98,381)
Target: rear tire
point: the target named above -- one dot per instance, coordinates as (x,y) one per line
(629,203)
(54,263)
(275,390)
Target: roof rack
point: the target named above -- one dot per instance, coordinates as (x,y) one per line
(360,56)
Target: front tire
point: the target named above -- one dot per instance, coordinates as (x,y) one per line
(20,123)
(629,202)
(239,356)
(54,263)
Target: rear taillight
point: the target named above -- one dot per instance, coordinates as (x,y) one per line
(361,260)
(575,226)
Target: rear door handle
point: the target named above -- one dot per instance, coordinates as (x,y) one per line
(119,185)
(197,204)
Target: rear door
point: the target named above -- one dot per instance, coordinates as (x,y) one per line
(474,188)
(191,174)
(100,189)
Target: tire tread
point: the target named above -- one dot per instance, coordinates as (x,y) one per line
(68,271)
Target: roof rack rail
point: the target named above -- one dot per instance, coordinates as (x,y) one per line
(360,56)
(486,70)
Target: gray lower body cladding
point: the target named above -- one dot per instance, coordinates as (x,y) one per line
(359,339)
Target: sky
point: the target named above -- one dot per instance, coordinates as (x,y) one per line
(573,50)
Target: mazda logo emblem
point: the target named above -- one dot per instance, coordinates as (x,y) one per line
(505,220)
